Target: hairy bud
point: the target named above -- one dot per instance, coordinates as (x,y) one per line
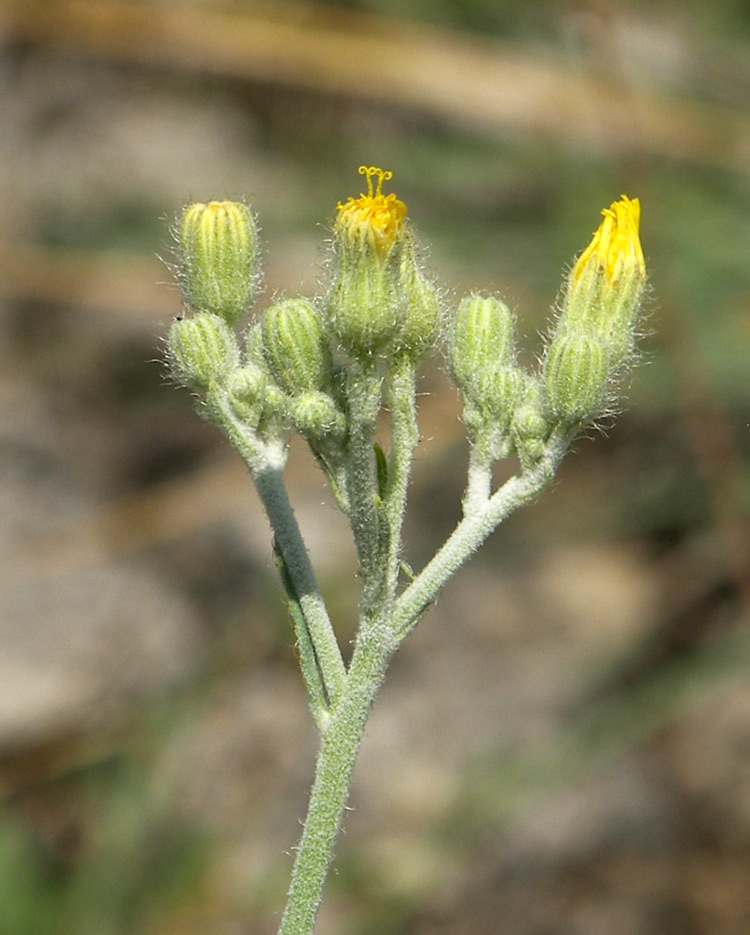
(295,346)
(246,388)
(606,285)
(575,377)
(220,264)
(595,334)
(316,416)
(483,342)
(202,351)
(419,328)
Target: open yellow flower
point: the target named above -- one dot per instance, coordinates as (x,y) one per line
(615,249)
(373,220)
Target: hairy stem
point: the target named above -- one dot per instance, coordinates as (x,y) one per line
(364,397)
(470,533)
(401,393)
(289,540)
(339,746)
(266,460)
(479,481)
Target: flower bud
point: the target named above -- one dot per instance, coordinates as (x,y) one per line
(202,351)
(502,392)
(316,415)
(363,308)
(295,346)
(530,425)
(606,285)
(576,375)
(373,223)
(220,265)
(483,337)
(421,322)
(275,408)
(246,387)
(365,305)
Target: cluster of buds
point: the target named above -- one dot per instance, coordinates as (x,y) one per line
(379,302)
(510,410)
(380,305)
(483,361)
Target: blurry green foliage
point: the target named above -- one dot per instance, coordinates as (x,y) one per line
(120,860)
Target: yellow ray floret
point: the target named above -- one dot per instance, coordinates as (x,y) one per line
(616,246)
(374,219)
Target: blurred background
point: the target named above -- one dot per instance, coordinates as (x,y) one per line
(563,746)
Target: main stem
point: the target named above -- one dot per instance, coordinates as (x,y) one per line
(340,742)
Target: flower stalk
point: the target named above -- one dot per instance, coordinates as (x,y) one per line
(327,367)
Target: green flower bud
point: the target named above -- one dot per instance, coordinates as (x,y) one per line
(220,265)
(316,415)
(530,426)
(272,419)
(246,388)
(503,390)
(488,413)
(363,307)
(275,404)
(421,323)
(576,374)
(295,346)
(482,343)
(254,345)
(203,351)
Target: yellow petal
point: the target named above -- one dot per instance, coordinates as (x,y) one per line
(616,246)
(374,219)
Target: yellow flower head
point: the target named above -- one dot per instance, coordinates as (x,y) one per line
(374,219)
(604,295)
(616,247)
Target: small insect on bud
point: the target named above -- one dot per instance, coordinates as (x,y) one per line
(202,351)
(219,253)
(295,346)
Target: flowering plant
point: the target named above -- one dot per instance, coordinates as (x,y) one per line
(325,368)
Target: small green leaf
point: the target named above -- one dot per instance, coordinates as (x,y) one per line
(382,470)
